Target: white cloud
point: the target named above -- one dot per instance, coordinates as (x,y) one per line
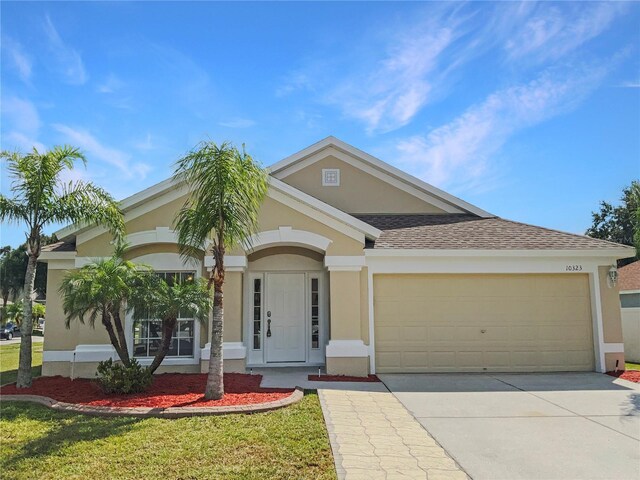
(237,123)
(21,61)
(631,84)
(460,153)
(68,61)
(21,124)
(391,92)
(146,144)
(552,31)
(117,158)
(110,85)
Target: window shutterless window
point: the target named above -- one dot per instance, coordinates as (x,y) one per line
(147,333)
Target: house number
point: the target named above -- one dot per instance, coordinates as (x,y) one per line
(574,268)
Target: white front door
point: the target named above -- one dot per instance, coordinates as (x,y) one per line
(285,337)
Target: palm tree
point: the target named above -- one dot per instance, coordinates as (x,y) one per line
(227,189)
(40,198)
(166,302)
(101,289)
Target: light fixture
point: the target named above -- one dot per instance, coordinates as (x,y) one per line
(612,276)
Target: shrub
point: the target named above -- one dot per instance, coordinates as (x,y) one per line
(119,378)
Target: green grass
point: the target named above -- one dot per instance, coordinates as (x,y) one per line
(632,366)
(9,361)
(36,442)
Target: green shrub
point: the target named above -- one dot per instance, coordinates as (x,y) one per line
(118,378)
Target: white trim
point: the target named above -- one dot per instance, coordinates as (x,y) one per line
(82,261)
(166,261)
(319,206)
(610,253)
(287,236)
(372,336)
(324,177)
(628,292)
(230,351)
(281,170)
(346,348)
(232,263)
(169,190)
(61,264)
(613,347)
(82,353)
(344,263)
(47,255)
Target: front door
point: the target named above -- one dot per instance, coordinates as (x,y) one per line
(285,317)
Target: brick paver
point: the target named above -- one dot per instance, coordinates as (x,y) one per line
(374,437)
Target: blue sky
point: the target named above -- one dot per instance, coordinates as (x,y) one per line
(530,111)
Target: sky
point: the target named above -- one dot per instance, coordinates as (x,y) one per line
(530,111)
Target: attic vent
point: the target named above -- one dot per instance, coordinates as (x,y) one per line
(330,177)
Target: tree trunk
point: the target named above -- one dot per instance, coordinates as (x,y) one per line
(26,328)
(167,332)
(121,335)
(124,355)
(215,379)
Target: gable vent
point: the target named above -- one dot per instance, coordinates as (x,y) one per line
(330,177)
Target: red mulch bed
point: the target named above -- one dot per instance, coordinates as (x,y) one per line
(630,375)
(342,378)
(167,390)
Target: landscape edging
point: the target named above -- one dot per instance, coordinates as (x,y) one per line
(146,412)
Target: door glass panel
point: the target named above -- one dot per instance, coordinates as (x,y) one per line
(315,313)
(257,312)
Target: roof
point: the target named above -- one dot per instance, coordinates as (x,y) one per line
(61,246)
(629,276)
(372,164)
(470,232)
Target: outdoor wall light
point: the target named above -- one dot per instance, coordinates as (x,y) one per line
(612,276)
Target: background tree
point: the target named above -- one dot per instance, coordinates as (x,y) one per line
(14,312)
(620,224)
(166,301)
(101,289)
(227,189)
(13,266)
(41,198)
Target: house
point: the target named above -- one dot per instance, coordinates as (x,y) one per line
(629,284)
(362,268)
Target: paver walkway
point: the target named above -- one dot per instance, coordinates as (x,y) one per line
(374,437)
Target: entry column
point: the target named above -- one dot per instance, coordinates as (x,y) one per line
(346,352)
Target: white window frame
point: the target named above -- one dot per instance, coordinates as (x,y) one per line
(167,262)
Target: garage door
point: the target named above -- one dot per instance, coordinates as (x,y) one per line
(475,323)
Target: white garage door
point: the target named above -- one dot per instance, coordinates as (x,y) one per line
(476,323)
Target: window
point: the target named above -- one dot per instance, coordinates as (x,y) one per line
(315,314)
(331,177)
(630,300)
(257,312)
(147,333)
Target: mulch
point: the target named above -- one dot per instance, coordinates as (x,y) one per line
(342,378)
(630,375)
(168,390)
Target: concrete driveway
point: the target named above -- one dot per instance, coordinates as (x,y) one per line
(529,426)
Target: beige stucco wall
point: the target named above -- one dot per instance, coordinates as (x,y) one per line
(345,305)
(359,192)
(57,336)
(364,305)
(233,307)
(285,259)
(610,301)
(353,366)
(88,369)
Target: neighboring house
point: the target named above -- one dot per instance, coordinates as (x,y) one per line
(362,268)
(629,284)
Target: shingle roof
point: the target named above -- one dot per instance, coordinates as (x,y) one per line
(60,247)
(461,231)
(629,276)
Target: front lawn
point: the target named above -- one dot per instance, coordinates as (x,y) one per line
(9,361)
(36,442)
(632,366)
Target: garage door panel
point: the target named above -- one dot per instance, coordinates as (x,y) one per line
(482,323)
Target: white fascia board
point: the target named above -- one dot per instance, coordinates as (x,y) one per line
(628,292)
(277,170)
(608,254)
(348,263)
(362,227)
(56,256)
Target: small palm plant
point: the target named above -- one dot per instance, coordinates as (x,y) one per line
(167,302)
(41,198)
(227,189)
(100,290)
